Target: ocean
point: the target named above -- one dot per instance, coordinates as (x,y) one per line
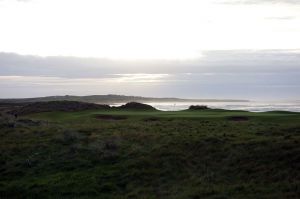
(253,106)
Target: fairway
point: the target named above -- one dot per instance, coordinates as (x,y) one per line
(210,113)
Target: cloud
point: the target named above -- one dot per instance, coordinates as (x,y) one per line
(281,18)
(17,0)
(249,2)
(192,85)
(62,81)
(130,84)
(231,61)
(218,74)
(140,78)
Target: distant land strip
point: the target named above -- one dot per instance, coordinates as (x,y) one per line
(109,99)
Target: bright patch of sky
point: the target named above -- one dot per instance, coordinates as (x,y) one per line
(146,29)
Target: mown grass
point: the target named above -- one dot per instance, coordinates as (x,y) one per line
(151,154)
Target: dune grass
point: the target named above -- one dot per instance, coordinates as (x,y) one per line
(151,154)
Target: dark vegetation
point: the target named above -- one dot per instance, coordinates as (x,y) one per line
(129,153)
(110,117)
(238,118)
(198,107)
(137,106)
(67,106)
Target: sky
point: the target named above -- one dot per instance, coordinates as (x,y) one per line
(245,49)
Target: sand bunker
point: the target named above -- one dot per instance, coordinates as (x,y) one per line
(239,118)
(111,117)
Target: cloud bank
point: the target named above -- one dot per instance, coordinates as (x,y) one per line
(231,61)
(232,2)
(246,74)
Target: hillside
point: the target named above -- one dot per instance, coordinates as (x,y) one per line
(66,106)
(109,99)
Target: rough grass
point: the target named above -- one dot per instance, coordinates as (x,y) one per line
(151,154)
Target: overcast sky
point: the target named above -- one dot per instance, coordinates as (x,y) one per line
(247,49)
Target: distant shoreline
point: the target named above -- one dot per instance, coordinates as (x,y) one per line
(108,99)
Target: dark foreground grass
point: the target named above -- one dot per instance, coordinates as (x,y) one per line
(151,154)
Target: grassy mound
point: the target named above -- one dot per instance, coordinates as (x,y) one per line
(137,106)
(198,107)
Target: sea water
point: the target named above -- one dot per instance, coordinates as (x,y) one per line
(248,106)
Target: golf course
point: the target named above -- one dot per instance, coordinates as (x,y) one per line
(140,152)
